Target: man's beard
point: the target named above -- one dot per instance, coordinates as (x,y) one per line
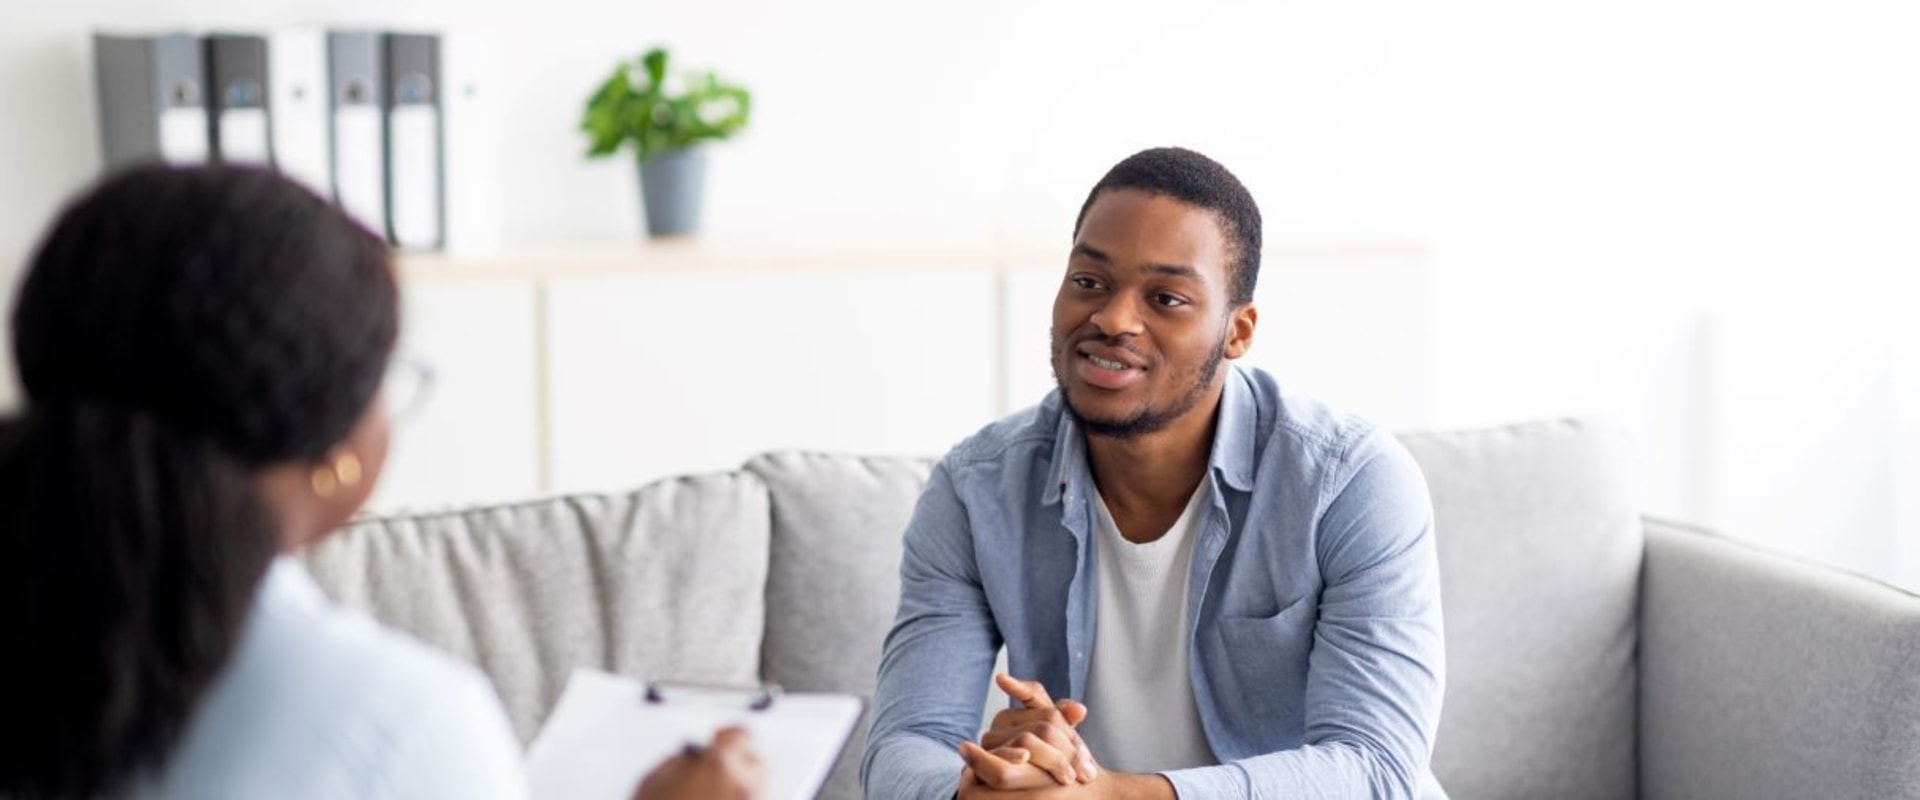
(1148,419)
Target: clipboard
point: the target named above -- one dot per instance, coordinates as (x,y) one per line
(608,732)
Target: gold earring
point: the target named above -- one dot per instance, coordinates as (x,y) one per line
(345,471)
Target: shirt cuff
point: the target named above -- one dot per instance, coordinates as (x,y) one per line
(1211,783)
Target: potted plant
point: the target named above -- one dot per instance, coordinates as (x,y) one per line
(667,119)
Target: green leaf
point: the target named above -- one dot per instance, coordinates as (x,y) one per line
(656,61)
(621,110)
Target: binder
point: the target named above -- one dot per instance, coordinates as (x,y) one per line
(152,98)
(413,139)
(608,732)
(469,140)
(237,67)
(354,103)
(297,103)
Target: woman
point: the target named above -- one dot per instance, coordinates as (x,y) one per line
(203,352)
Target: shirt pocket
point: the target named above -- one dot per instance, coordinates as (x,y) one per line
(1266,660)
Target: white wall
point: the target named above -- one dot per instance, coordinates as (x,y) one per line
(602,372)
(477,432)
(1905,479)
(657,375)
(1588,177)
(1350,327)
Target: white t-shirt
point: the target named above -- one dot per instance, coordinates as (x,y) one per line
(1141,713)
(319,702)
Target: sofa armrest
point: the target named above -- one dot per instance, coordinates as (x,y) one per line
(1762,676)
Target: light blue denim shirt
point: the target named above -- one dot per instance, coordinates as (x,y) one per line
(1314,600)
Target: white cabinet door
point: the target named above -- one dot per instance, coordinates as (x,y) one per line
(475,435)
(1350,327)
(658,375)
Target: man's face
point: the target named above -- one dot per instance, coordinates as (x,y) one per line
(1143,319)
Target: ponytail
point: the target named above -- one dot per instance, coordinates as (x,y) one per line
(130,553)
(179,332)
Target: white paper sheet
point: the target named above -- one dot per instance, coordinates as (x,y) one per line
(603,736)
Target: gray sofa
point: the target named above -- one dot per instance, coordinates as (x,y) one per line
(1592,653)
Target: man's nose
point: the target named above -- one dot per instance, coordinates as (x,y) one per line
(1118,316)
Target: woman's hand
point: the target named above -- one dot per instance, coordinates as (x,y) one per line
(724,770)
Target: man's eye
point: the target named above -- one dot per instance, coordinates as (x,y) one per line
(1086,282)
(1169,300)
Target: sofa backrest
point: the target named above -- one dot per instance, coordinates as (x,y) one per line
(666,582)
(1540,546)
(788,570)
(834,578)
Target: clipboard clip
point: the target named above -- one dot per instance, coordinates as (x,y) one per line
(759,699)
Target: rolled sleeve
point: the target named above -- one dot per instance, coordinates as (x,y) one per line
(937,659)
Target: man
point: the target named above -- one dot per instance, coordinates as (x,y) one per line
(1238,585)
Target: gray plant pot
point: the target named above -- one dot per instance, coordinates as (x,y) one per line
(670,188)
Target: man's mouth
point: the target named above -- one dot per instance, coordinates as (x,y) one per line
(1108,367)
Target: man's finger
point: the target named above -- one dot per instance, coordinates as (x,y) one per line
(975,755)
(1084,764)
(996,769)
(990,769)
(1015,717)
(1050,758)
(1013,755)
(1074,711)
(1028,693)
(1008,724)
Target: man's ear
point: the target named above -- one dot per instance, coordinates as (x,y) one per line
(1240,324)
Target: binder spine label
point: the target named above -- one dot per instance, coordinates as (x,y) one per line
(243,137)
(183,135)
(414,134)
(357,165)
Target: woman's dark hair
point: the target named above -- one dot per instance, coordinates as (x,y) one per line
(178,330)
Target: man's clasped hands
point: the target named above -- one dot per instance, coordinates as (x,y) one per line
(1035,752)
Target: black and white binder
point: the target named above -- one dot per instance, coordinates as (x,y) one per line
(469,141)
(413,140)
(297,96)
(152,94)
(242,127)
(355,104)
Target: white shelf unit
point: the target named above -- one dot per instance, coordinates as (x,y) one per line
(582,370)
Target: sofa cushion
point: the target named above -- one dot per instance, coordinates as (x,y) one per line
(1540,546)
(666,582)
(834,578)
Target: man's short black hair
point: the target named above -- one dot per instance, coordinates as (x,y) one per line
(1196,180)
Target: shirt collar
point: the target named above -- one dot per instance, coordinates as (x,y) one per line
(1236,434)
(1234,438)
(1069,453)
(288,585)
